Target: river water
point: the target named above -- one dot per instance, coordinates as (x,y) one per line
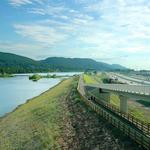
(16,90)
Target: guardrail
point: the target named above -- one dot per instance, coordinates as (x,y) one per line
(135,89)
(138,132)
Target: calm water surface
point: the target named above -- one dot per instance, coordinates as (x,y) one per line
(15,91)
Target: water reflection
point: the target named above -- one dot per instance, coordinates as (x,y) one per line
(15,91)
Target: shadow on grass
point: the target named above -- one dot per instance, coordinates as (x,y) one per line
(145,103)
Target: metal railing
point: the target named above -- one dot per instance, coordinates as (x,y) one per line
(132,79)
(141,125)
(135,89)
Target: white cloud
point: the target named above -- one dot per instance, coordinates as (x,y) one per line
(30,50)
(43,34)
(18,3)
(97,29)
(128,22)
(38,11)
(48,10)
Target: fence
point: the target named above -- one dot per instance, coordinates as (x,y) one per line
(141,125)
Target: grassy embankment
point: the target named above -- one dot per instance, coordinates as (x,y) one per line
(100,77)
(95,78)
(139,109)
(36,124)
(88,79)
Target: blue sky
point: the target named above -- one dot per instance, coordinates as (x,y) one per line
(112,31)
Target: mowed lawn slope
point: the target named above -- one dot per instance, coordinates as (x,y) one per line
(88,79)
(38,123)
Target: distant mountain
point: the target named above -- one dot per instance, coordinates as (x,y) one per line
(116,66)
(12,63)
(72,64)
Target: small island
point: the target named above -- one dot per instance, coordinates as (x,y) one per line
(37,77)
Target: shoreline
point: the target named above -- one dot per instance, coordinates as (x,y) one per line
(28,100)
(30,73)
(37,124)
(6,75)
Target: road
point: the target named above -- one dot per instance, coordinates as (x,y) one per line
(129,80)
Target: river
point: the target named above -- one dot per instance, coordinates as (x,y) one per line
(17,90)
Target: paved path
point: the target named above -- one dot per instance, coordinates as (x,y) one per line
(81,85)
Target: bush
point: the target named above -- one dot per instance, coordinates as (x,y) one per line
(107,80)
(35,77)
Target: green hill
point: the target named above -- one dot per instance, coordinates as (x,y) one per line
(79,64)
(12,63)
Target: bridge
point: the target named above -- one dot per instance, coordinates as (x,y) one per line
(125,92)
(129,125)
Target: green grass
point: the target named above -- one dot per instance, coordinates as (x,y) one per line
(38,123)
(94,78)
(114,99)
(139,111)
(99,77)
(134,108)
(88,79)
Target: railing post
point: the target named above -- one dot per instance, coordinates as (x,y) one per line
(135,135)
(118,124)
(142,126)
(132,119)
(148,128)
(129,131)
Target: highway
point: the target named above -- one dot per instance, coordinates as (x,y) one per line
(128,80)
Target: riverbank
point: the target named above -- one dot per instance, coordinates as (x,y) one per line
(58,119)
(6,75)
(37,123)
